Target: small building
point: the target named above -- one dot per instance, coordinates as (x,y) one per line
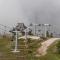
(19,27)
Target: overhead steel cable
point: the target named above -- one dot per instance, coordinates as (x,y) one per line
(5,26)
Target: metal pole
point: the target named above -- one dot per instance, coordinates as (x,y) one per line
(16,49)
(16,41)
(26,34)
(35,29)
(45,31)
(46,28)
(5,31)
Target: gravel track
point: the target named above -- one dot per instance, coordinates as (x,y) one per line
(43,49)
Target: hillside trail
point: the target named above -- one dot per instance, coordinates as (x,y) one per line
(41,51)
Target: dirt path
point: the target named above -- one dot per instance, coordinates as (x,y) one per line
(43,49)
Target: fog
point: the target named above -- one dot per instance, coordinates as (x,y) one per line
(30,11)
(42,11)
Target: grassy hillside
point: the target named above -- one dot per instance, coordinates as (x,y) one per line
(27,49)
(51,53)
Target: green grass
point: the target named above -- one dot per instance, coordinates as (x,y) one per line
(51,53)
(5,50)
(6,46)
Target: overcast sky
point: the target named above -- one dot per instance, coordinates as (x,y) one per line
(27,11)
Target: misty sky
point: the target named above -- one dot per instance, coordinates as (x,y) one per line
(27,11)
